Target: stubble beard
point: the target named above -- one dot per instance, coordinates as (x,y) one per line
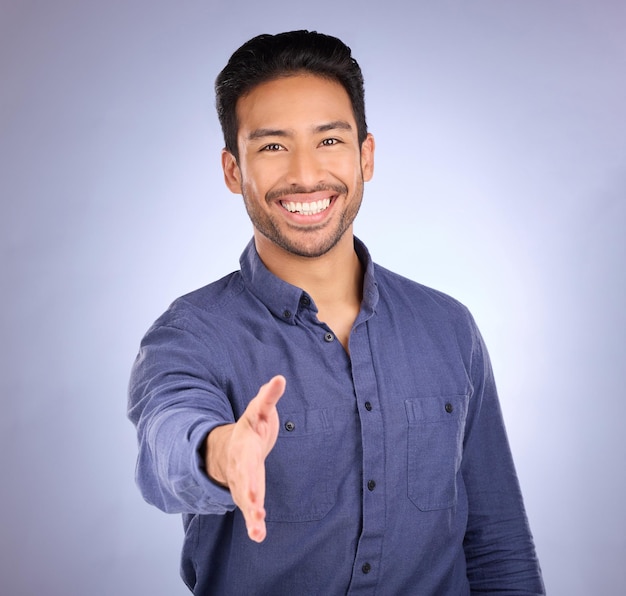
(310,242)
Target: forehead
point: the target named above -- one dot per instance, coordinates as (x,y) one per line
(296,101)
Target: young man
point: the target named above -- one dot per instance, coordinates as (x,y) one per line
(324,425)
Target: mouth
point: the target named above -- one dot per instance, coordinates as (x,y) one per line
(309,208)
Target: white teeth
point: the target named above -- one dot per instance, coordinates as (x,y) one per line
(306,208)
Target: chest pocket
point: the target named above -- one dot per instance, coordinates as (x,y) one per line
(436,427)
(298,469)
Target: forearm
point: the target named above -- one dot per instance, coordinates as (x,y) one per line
(171,469)
(499,548)
(500,555)
(498,544)
(174,402)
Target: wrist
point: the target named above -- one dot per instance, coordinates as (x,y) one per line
(215,453)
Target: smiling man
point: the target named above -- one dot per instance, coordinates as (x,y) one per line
(324,425)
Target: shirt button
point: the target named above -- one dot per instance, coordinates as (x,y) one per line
(449,408)
(366,568)
(368,406)
(329,337)
(305,300)
(286,314)
(289,425)
(371,485)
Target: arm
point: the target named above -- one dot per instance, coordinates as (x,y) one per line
(176,401)
(498,544)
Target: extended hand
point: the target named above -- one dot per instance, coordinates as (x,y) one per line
(236,454)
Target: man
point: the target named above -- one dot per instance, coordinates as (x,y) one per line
(324,425)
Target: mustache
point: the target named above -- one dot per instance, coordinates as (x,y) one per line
(295,189)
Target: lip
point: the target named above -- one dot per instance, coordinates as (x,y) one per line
(307,218)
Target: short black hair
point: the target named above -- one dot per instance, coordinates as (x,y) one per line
(268,57)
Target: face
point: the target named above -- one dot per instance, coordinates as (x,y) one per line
(301,169)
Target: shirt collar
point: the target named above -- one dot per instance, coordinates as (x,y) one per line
(284,299)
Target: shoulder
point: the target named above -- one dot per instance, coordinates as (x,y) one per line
(405,292)
(205,306)
(425,314)
(213,296)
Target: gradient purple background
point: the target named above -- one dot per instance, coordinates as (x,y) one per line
(500,179)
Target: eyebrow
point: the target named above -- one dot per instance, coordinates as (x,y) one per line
(336,125)
(261,133)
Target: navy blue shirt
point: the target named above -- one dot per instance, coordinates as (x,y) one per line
(391,474)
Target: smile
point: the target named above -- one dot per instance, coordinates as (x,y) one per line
(312,208)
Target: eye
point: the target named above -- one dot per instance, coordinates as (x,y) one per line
(272,147)
(330,142)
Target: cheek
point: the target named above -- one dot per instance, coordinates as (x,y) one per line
(349,168)
(264,181)
(352,174)
(248,183)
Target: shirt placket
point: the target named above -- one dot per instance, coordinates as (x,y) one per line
(366,570)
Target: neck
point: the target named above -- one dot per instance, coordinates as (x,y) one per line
(334,280)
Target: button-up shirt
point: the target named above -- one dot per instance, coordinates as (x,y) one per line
(391,474)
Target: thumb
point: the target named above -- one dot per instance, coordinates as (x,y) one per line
(270,393)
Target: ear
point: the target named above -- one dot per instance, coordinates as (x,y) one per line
(232,173)
(367,157)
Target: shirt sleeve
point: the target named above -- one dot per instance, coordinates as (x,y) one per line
(498,544)
(175,400)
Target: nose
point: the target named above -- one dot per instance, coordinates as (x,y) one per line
(305,168)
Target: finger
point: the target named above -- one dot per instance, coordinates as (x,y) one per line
(271,392)
(256,519)
(261,412)
(262,420)
(249,495)
(246,479)
(255,525)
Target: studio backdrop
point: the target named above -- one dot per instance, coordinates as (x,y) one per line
(500,179)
